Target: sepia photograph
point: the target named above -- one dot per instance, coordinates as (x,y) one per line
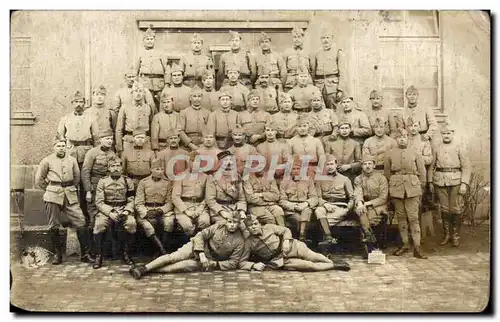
(223,161)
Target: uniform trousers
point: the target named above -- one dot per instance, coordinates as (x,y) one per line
(406,210)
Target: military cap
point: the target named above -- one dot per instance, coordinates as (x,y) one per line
(272,125)
(344,96)
(344,120)
(400,131)
(172,132)
(222,94)
(234,34)
(314,96)
(77,96)
(374,94)
(303,118)
(196,37)
(206,73)
(330,157)
(297,31)
(105,133)
(263,36)
(131,71)
(166,95)
(253,93)
(137,86)
(302,70)
(157,163)
(176,68)
(139,131)
(58,139)
(100,89)
(447,126)
(149,32)
(238,129)
(325,31)
(114,160)
(221,155)
(283,97)
(411,89)
(379,120)
(196,91)
(206,131)
(368,157)
(264,70)
(232,66)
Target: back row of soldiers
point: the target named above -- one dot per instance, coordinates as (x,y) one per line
(149,142)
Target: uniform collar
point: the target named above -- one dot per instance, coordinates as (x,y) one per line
(104,148)
(298,47)
(265,52)
(196,53)
(196,107)
(238,145)
(77,114)
(138,147)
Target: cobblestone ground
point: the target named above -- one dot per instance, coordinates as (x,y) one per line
(444,282)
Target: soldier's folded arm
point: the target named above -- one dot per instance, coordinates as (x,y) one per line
(365,128)
(432,122)
(245,263)
(281,231)
(99,199)
(250,195)
(88,164)
(176,196)
(203,236)
(210,193)
(358,191)
(427,153)
(181,126)
(349,192)
(283,202)
(387,166)
(273,194)
(432,166)
(319,194)
(140,199)
(41,175)
(422,173)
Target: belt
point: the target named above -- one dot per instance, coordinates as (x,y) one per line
(162,140)
(148,133)
(139,177)
(154,204)
(116,203)
(327,75)
(193,133)
(422,132)
(82,143)
(402,172)
(448,169)
(333,199)
(220,137)
(191,77)
(225,202)
(324,133)
(62,184)
(153,75)
(379,167)
(192,199)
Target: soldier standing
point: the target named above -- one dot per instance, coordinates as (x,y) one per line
(405,171)
(163,122)
(137,161)
(234,88)
(210,98)
(223,121)
(285,119)
(325,121)
(132,117)
(123,96)
(195,63)
(105,118)
(192,121)
(379,111)
(416,142)
(240,58)
(328,69)
(296,59)
(303,91)
(273,148)
(152,67)
(209,149)
(269,62)
(449,176)
(346,151)
(335,199)
(95,167)
(153,204)
(58,175)
(360,124)
(268,94)
(225,195)
(218,247)
(380,144)
(262,195)
(188,197)
(115,202)
(170,154)
(178,90)
(371,192)
(240,149)
(254,119)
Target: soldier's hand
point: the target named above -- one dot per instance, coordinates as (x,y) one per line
(344,167)
(426,137)
(190,213)
(242,214)
(286,246)
(193,146)
(361,209)
(212,264)
(88,197)
(328,207)
(431,187)
(303,206)
(203,259)
(125,213)
(463,189)
(114,215)
(259,266)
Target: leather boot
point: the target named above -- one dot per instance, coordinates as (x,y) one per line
(457,224)
(401,250)
(84,240)
(445,217)
(138,271)
(418,253)
(126,241)
(368,237)
(158,244)
(328,240)
(98,238)
(55,238)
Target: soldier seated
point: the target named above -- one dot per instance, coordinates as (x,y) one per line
(153,204)
(115,202)
(172,156)
(218,247)
(188,197)
(163,122)
(285,119)
(137,161)
(240,149)
(273,246)
(262,195)
(209,149)
(335,199)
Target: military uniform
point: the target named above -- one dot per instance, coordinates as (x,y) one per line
(241,153)
(337,193)
(104,117)
(192,122)
(286,123)
(254,121)
(307,145)
(238,93)
(195,64)
(224,194)
(360,125)
(137,162)
(382,113)
(180,93)
(405,171)
(123,97)
(346,151)
(295,59)
(268,98)
(262,196)
(210,100)
(244,62)
(267,248)
(162,123)
(59,178)
(222,123)
(422,147)
(274,149)
(189,194)
(450,168)
(177,165)
(272,63)
(209,152)
(323,122)
(378,147)
(302,96)
(153,205)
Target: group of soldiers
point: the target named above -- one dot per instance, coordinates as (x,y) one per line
(119,167)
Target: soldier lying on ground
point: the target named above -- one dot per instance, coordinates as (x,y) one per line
(218,247)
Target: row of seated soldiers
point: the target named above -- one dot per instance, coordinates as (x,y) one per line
(206,201)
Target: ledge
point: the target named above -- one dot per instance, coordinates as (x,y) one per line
(22,118)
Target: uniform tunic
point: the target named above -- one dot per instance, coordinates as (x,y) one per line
(286,124)
(239,94)
(346,151)
(180,93)
(179,165)
(373,188)
(210,100)
(323,121)
(294,192)
(152,69)
(224,193)
(380,112)
(80,132)
(338,193)
(95,166)
(241,153)
(131,118)
(123,96)
(245,63)
(272,62)
(360,124)
(275,149)
(222,123)
(378,147)
(268,98)
(137,163)
(161,125)
(253,121)
(425,117)
(422,147)
(302,95)
(264,207)
(295,59)
(105,118)
(306,145)
(192,122)
(194,65)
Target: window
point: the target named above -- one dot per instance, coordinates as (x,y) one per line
(20,81)
(410,55)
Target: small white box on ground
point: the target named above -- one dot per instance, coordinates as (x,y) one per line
(376,257)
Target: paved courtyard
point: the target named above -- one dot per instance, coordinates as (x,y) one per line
(457,281)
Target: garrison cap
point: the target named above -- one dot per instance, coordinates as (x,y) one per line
(253,93)
(263,36)
(232,66)
(400,131)
(447,126)
(302,70)
(137,86)
(379,120)
(58,139)
(234,34)
(297,31)
(222,94)
(330,157)
(176,68)
(374,94)
(196,37)
(105,133)
(166,95)
(411,120)
(196,91)
(115,160)
(411,89)
(303,118)
(272,125)
(368,157)
(149,32)
(99,89)
(344,96)
(77,96)
(238,129)
(284,96)
(325,31)
(157,163)
(344,120)
(131,71)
